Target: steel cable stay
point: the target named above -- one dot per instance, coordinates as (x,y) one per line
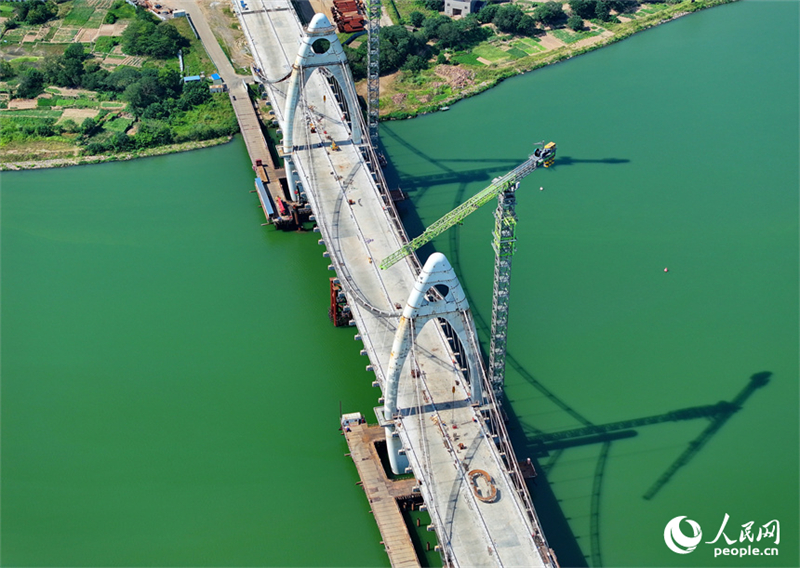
(337,254)
(462,475)
(364,244)
(363,241)
(515,474)
(400,236)
(416,373)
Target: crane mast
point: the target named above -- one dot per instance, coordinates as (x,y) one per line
(373,69)
(503,243)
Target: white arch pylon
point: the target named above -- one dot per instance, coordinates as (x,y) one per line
(421,308)
(334,60)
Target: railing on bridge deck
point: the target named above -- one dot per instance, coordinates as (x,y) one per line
(495,420)
(496,423)
(499,433)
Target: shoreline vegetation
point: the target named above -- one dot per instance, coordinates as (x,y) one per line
(89,81)
(460,74)
(118,157)
(124,97)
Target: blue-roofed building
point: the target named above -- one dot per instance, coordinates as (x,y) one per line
(191,78)
(216,79)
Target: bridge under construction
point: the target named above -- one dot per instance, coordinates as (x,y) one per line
(438,414)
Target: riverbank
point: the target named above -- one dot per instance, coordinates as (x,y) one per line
(412,94)
(122,100)
(103,158)
(406,94)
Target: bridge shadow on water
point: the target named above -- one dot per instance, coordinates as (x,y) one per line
(545,449)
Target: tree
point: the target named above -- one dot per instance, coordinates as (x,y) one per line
(487,13)
(602,10)
(35,12)
(121,78)
(143,93)
(119,142)
(75,51)
(171,81)
(549,13)
(94,77)
(194,93)
(435,5)
(6,70)
(507,18)
(357,58)
(575,22)
(69,125)
(583,8)
(397,45)
(526,26)
(153,133)
(430,27)
(71,66)
(622,6)
(89,126)
(31,85)
(415,63)
(416,18)
(144,37)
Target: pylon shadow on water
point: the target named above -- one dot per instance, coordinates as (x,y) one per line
(525,437)
(539,445)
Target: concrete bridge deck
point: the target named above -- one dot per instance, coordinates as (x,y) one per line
(444,435)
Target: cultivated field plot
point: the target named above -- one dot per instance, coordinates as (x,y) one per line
(569,36)
(528,45)
(15,35)
(104,44)
(65,34)
(650,9)
(118,124)
(79,114)
(79,15)
(490,53)
(33,113)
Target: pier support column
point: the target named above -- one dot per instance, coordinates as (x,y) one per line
(291,182)
(398,461)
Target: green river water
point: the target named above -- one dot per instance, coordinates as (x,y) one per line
(171,382)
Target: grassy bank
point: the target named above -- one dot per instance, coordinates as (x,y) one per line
(503,56)
(33,162)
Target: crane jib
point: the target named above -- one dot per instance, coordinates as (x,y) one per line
(544,156)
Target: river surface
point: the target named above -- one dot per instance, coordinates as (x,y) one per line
(171,382)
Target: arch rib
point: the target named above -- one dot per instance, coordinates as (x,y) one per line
(422,307)
(334,60)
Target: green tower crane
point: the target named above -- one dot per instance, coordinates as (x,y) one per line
(503,242)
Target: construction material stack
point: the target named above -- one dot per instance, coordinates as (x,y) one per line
(348,15)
